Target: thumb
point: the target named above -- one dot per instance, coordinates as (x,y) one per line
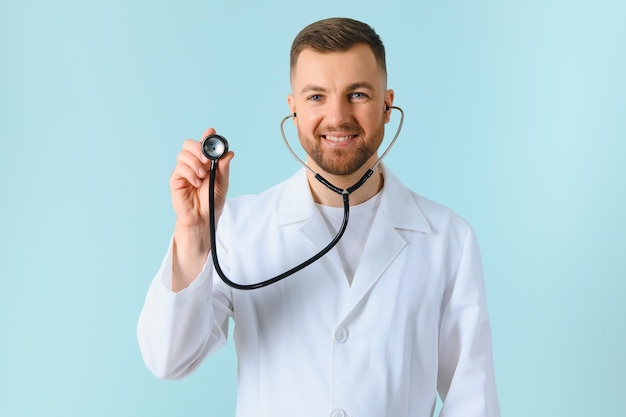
(224,162)
(223,168)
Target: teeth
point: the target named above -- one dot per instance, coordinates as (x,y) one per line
(337,138)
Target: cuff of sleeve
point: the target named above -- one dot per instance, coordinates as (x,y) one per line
(162,283)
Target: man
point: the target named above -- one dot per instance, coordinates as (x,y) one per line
(395,314)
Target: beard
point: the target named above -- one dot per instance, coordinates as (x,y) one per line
(343,161)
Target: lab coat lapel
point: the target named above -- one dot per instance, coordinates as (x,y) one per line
(316,231)
(297,206)
(398,211)
(385,245)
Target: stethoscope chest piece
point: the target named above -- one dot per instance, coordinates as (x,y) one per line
(214,146)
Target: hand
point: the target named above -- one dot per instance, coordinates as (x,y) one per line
(189,186)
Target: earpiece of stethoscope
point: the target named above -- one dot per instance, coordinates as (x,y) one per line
(214,146)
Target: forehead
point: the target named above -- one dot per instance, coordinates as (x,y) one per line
(356,64)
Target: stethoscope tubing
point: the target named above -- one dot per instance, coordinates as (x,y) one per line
(378,161)
(345,193)
(216,264)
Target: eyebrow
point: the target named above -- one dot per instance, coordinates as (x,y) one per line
(351,87)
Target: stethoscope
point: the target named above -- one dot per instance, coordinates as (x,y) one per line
(215,146)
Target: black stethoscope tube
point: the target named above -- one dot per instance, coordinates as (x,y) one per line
(215,146)
(346,214)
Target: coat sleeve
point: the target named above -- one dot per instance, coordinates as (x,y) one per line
(176,331)
(466,380)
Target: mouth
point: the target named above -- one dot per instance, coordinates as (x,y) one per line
(338,138)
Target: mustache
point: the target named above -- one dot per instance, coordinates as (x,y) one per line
(351,128)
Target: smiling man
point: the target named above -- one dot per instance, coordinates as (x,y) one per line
(390,318)
(342,104)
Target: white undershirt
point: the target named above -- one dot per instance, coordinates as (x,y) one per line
(351,245)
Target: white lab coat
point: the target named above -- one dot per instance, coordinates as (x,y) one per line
(413,323)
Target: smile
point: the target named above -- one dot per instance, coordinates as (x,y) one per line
(338,138)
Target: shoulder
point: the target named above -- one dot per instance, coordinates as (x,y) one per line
(439,214)
(277,200)
(411,210)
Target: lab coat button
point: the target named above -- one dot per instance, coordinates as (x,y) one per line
(338,413)
(341,335)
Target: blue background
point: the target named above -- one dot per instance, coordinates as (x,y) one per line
(516,118)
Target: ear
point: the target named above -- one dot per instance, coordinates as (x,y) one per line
(291,101)
(389,95)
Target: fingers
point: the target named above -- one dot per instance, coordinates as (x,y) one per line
(193,167)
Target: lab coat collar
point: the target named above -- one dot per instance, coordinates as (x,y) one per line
(398,211)
(397,204)
(400,206)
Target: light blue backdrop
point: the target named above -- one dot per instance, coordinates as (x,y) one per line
(516,118)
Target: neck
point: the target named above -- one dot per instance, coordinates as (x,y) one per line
(324,195)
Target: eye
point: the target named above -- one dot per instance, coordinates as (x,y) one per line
(314,97)
(358,95)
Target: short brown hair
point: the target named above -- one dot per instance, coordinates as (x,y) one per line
(337,34)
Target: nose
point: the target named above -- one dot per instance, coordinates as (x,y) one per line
(339,111)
